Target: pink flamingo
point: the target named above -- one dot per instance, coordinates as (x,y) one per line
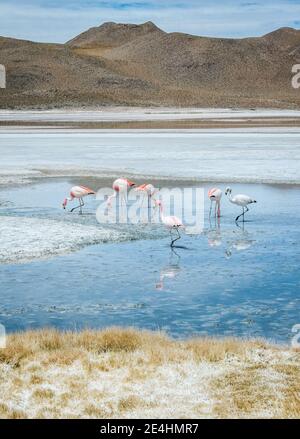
(120,186)
(215,195)
(148,190)
(171,222)
(78,192)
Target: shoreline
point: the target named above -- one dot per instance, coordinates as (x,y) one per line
(14,181)
(157,125)
(127,373)
(150,118)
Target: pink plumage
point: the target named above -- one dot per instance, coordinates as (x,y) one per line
(120,185)
(171,222)
(148,190)
(215,195)
(78,192)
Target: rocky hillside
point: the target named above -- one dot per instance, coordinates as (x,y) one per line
(126,64)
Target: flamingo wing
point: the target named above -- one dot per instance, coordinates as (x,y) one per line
(142,187)
(80,191)
(175,222)
(129,183)
(121,184)
(211,192)
(87,190)
(243,200)
(215,193)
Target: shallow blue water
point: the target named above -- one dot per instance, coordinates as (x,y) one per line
(240,281)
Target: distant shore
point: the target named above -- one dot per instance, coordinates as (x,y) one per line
(131,373)
(150,118)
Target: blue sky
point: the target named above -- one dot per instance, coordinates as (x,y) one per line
(60,20)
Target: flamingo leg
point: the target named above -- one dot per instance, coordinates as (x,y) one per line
(176,239)
(219,209)
(81,205)
(77,207)
(123,199)
(153,201)
(242,214)
(171,236)
(247,210)
(210,208)
(142,200)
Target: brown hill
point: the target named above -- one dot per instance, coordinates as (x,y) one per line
(112,34)
(142,65)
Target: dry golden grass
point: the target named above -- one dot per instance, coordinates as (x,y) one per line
(129,373)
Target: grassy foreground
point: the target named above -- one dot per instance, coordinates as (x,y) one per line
(129,373)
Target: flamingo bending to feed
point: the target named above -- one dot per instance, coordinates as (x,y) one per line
(120,186)
(78,192)
(149,191)
(171,222)
(240,200)
(215,196)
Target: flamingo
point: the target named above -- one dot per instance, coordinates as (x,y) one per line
(240,200)
(120,186)
(78,192)
(171,222)
(148,190)
(215,195)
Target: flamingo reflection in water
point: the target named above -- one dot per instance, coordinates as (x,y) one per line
(170,271)
(241,243)
(214,236)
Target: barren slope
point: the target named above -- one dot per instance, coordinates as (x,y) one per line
(142,65)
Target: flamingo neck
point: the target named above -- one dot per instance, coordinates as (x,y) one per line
(65,202)
(108,202)
(161,210)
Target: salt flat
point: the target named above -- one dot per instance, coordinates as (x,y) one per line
(265,155)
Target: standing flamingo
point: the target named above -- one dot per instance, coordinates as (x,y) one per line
(215,195)
(148,190)
(78,192)
(240,200)
(120,186)
(171,222)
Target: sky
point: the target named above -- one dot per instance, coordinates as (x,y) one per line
(60,20)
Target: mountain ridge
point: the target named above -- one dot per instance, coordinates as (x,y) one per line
(141,64)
